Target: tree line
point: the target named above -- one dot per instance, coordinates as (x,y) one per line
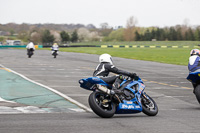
(47,38)
(49,33)
(174,33)
(177,33)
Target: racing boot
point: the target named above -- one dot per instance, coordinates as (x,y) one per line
(116,85)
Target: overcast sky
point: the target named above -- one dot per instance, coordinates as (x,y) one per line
(114,12)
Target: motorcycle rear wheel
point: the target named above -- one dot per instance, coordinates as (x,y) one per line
(149,106)
(197,93)
(101,104)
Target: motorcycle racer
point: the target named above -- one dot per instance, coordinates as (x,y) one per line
(54,47)
(105,67)
(194,64)
(54,50)
(30,47)
(194,61)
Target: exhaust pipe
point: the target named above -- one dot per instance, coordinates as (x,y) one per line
(105,89)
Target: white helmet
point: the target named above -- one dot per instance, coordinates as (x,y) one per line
(105,58)
(195,52)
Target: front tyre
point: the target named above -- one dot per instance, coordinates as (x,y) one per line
(101,104)
(149,106)
(54,54)
(197,93)
(30,53)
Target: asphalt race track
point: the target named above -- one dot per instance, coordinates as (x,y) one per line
(167,84)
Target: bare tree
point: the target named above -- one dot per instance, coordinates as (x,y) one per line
(104,25)
(94,36)
(35,37)
(56,35)
(129,32)
(83,34)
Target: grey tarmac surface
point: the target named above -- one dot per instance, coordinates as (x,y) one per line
(167,84)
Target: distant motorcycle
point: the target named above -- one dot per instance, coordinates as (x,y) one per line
(132,98)
(30,52)
(55,53)
(194,78)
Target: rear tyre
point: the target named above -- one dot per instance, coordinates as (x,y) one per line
(101,104)
(149,106)
(197,93)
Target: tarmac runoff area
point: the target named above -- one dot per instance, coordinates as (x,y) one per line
(27,96)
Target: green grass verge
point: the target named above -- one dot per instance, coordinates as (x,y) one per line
(178,56)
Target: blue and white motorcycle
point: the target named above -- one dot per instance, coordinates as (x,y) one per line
(194,78)
(131,99)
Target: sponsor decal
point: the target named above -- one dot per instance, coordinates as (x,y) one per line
(96,79)
(129,102)
(127,106)
(137,107)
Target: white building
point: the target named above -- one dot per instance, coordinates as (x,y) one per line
(13,42)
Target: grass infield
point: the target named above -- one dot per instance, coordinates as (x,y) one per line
(178,56)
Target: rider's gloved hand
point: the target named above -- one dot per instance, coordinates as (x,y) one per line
(134,76)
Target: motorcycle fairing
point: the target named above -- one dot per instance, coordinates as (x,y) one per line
(90,82)
(140,87)
(194,77)
(129,107)
(134,105)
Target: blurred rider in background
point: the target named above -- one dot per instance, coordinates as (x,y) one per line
(30,47)
(55,48)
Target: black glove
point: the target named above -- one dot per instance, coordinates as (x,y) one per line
(133,75)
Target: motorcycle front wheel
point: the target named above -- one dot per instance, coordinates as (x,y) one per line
(197,93)
(30,54)
(54,54)
(149,106)
(102,104)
